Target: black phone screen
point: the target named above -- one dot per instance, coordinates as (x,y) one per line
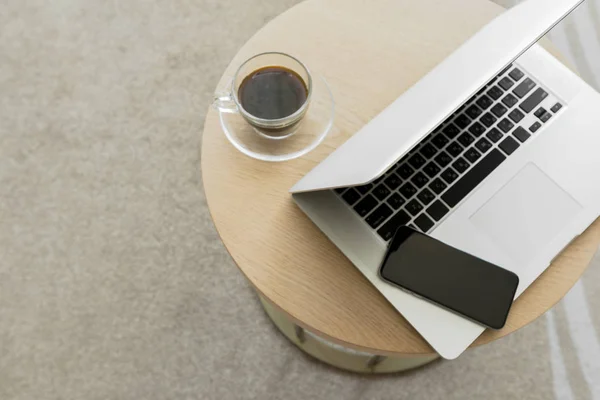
(477,289)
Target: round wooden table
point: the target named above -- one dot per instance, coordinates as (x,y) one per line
(369,52)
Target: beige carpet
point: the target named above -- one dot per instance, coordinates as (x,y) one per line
(113,282)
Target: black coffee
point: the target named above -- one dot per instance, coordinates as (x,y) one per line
(272,92)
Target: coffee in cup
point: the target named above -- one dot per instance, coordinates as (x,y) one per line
(271,91)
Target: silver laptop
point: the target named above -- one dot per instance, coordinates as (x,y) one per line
(503,164)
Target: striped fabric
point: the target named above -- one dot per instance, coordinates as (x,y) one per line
(573,339)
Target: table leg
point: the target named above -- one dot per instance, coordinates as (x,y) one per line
(340,356)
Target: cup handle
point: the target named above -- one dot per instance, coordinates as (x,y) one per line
(224,102)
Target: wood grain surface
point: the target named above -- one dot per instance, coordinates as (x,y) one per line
(370,52)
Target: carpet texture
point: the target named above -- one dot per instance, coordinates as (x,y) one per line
(113,281)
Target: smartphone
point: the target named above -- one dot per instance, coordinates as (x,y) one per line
(462,283)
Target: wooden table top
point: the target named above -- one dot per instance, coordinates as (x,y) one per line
(370,52)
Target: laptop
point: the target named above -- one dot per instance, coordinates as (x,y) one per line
(503,164)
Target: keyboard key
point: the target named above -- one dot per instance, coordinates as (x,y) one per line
(477,129)
(449,175)
(393,181)
(381,192)
(424,223)
(365,206)
(505,125)
(431,169)
(377,217)
(419,180)
(472,155)
(523,88)
(474,177)
(462,121)
(451,131)
(509,145)
(417,161)
(516,115)
(499,110)
(556,107)
(443,159)
(439,141)
(545,117)
(364,188)
(437,210)
(516,74)
(521,134)
(539,112)
(408,190)
(340,190)
(494,135)
(461,165)
(395,200)
(426,196)
(454,149)
(388,230)
(495,92)
(413,207)
(473,111)
(535,127)
(351,196)
(428,150)
(465,139)
(533,100)
(438,186)
(405,171)
(488,119)
(506,83)
(483,145)
(509,100)
(484,102)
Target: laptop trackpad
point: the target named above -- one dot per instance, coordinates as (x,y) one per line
(526,214)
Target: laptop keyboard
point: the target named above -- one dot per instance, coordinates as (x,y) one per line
(432,179)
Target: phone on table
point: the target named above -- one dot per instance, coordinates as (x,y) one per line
(462,283)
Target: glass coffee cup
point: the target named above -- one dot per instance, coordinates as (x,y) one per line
(271,91)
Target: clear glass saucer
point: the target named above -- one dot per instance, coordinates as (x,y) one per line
(299,140)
